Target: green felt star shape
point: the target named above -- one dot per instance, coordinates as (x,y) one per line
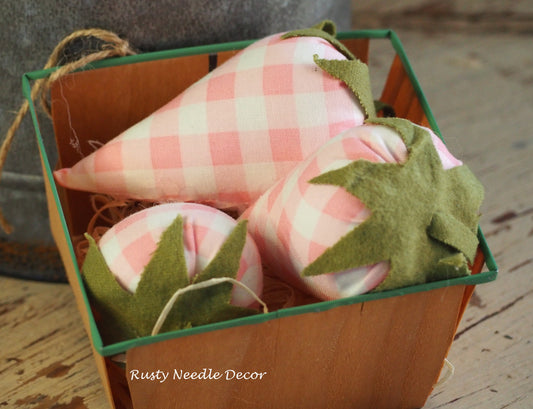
(423,218)
(125,315)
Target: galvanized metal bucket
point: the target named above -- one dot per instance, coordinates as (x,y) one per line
(29,32)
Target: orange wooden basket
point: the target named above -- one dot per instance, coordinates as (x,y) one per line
(370,351)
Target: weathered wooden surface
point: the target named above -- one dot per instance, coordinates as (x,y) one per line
(481,91)
(480,87)
(479,83)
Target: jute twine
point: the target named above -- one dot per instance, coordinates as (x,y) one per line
(112,46)
(198,286)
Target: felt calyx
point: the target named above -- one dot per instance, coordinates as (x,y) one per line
(364,213)
(143,260)
(423,216)
(228,137)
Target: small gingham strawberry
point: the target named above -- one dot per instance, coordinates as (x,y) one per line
(380,206)
(231,135)
(141,262)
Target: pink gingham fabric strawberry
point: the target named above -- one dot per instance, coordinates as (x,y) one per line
(295,221)
(129,245)
(231,135)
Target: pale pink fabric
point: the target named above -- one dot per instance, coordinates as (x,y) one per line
(294,222)
(231,135)
(129,245)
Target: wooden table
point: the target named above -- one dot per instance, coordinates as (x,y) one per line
(480,87)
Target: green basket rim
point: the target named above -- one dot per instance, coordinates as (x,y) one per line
(120,347)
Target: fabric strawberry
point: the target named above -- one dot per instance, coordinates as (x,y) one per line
(380,206)
(139,264)
(231,135)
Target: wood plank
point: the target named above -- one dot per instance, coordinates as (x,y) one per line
(45,357)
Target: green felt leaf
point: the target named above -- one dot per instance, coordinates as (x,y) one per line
(327,26)
(212,304)
(354,74)
(221,265)
(101,287)
(447,229)
(450,267)
(125,315)
(423,218)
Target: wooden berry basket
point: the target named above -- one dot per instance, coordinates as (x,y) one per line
(377,350)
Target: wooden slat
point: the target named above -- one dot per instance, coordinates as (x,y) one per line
(358,47)
(365,356)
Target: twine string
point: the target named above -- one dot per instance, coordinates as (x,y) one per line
(197,286)
(112,46)
(450,370)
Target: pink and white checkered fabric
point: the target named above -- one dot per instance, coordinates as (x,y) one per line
(231,135)
(129,245)
(294,222)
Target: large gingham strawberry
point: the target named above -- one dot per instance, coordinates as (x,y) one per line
(380,206)
(231,135)
(147,257)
